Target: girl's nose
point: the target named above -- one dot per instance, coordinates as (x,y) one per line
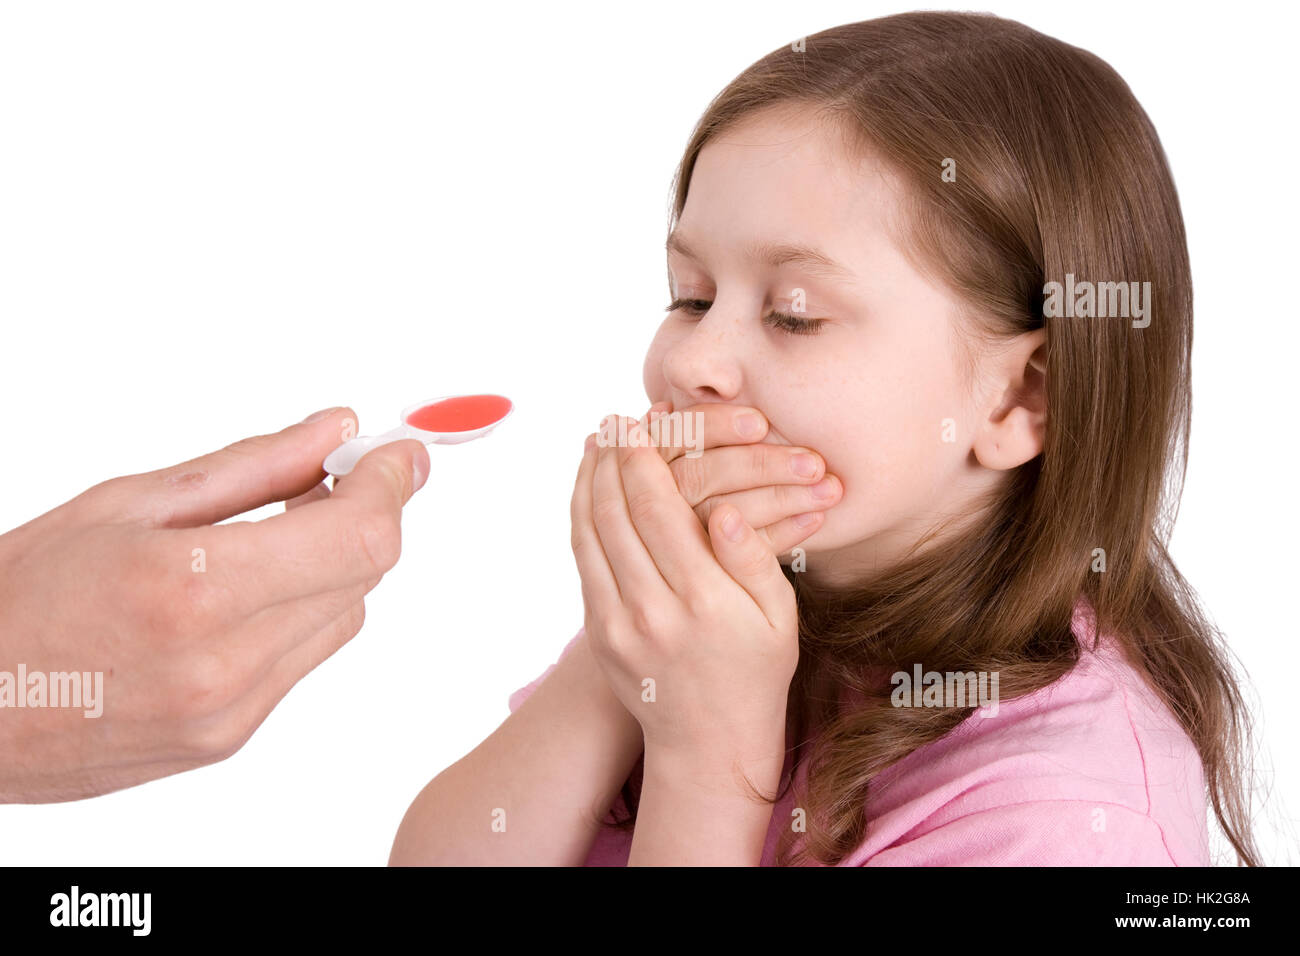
(706,364)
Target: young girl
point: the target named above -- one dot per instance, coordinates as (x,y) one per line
(938,261)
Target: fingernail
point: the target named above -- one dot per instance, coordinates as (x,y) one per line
(824,488)
(590,443)
(748,425)
(317,416)
(804,520)
(732,528)
(805,466)
(419,475)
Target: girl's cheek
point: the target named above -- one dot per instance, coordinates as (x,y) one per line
(876,461)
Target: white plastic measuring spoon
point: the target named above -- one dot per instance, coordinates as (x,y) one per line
(449,420)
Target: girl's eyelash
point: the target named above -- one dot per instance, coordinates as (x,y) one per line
(779,320)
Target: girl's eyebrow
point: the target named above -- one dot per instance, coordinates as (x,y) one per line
(774,254)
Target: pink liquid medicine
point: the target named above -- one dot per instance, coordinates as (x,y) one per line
(464,413)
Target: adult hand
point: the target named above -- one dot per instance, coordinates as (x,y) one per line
(199,629)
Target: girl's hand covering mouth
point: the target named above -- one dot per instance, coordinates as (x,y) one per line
(695,629)
(782,491)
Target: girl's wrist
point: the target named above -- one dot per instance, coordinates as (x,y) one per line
(601,696)
(721,766)
(706,807)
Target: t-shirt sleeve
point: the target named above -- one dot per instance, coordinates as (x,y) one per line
(523,693)
(1036,833)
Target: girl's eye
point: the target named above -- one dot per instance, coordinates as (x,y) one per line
(791,324)
(690,306)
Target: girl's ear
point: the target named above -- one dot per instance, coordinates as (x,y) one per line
(1011,432)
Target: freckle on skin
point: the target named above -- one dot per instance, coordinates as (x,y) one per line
(190,479)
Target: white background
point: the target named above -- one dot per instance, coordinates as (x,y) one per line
(216,218)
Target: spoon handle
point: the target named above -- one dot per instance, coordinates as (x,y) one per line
(343,459)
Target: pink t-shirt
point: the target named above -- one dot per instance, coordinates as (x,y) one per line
(1091,770)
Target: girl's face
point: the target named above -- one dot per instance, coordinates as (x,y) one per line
(876,378)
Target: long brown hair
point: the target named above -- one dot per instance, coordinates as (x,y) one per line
(1058,170)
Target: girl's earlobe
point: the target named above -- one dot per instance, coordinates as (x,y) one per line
(1016,427)
(1012,441)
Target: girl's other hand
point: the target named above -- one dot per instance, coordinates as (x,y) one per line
(695,629)
(781,491)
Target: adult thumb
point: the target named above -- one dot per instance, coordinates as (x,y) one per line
(388,475)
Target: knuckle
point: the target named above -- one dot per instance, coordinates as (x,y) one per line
(354,619)
(379,539)
(397,475)
(167,599)
(203,687)
(125,498)
(105,495)
(618,639)
(644,459)
(754,561)
(689,475)
(585,549)
(703,603)
(642,505)
(606,511)
(200,601)
(214,738)
(646,620)
(792,500)
(577,538)
(778,539)
(249,447)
